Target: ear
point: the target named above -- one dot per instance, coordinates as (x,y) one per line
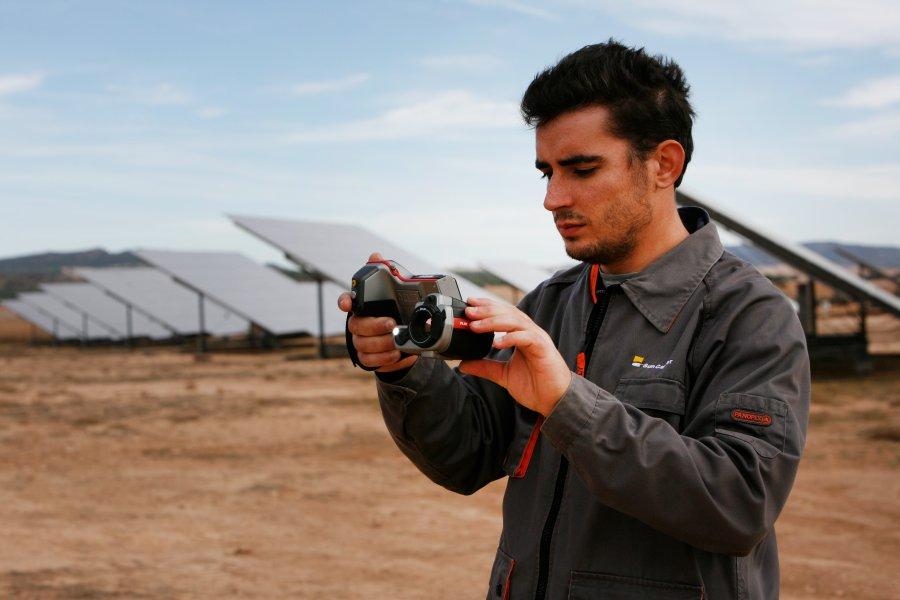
(669,159)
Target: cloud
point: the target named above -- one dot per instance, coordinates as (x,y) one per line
(806,25)
(527,234)
(165,94)
(211,112)
(311,88)
(860,203)
(874,93)
(468,62)
(449,112)
(13,84)
(160,94)
(875,182)
(814,61)
(879,127)
(518,7)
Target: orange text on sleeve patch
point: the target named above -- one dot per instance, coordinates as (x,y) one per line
(752,417)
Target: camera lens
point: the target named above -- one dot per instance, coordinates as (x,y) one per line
(425,325)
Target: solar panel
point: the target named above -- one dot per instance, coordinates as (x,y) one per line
(868,265)
(41,319)
(518,274)
(81,324)
(802,258)
(261,295)
(106,310)
(155,294)
(337,250)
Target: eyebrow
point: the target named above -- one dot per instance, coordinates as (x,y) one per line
(577,159)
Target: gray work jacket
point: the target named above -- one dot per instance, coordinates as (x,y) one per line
(661,471)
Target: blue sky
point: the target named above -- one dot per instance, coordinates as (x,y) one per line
(140,124)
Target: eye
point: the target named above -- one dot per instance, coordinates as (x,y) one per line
(546,175)
(585,172)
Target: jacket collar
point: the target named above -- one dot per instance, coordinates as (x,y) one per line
(661,290)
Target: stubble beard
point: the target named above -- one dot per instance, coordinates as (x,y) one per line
(631,225)
(607,252)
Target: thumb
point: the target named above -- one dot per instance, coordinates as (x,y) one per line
(345,302)
(375,256)
(492,370)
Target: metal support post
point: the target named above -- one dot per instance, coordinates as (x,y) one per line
(863,313)
(806,297)
(320,286)
(201,333)
(128,326)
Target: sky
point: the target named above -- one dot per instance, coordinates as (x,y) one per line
(142,124)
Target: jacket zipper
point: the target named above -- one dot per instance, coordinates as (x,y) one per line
(595,320)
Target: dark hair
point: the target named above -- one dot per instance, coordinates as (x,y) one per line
(647,96)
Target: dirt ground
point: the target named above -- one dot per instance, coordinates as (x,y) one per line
(15,329)
(147,474)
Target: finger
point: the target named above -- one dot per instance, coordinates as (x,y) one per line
(488,309)
(517,339)
(492,370)
(375,256)
(475,301)
(374,344)
(513,321)
(371,325)
(345,302)
(379,359)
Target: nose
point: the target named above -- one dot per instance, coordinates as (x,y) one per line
(557,195)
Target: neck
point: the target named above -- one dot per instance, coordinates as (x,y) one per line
(660,236)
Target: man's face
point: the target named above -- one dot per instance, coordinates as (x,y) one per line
(598,193)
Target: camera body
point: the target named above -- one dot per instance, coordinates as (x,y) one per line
(428,309)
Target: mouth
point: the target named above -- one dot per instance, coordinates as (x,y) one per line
(568,228)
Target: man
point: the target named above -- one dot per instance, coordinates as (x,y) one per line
(649,405)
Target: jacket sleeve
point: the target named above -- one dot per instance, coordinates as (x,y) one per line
(722,481)
(454,427)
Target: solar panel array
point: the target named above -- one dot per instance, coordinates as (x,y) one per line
(42,319)
(238,294)
(801,258)
(259,294)
(83,325)
(338,250)
(106,310)
(155,294)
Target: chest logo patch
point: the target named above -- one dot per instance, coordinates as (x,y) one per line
(752,417)
(638,361)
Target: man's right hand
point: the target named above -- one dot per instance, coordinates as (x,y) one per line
(373,337)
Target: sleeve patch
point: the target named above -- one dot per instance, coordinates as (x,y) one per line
(752,417)
(758,421)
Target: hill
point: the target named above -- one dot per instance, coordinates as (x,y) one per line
(26,273)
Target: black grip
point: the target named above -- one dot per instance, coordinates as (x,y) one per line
(351,349)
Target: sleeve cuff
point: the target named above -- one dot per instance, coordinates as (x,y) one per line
(410,383)
(392,376)
(572,413)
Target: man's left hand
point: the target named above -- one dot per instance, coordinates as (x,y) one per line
(537,375)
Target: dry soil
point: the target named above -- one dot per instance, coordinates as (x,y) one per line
(149,474)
